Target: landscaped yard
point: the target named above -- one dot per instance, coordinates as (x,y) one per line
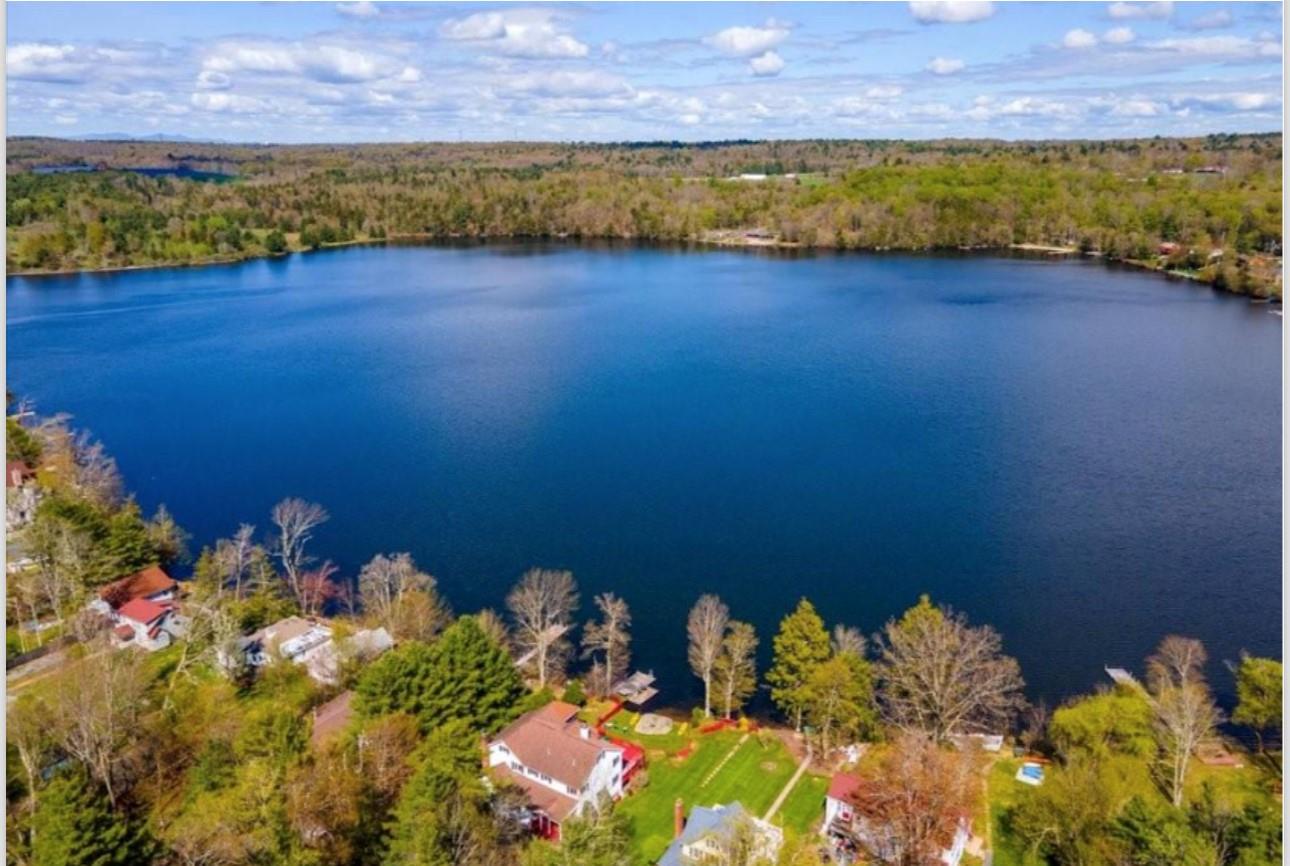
(722,768)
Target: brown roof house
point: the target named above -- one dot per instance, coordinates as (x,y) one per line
(562,764)
(151,583)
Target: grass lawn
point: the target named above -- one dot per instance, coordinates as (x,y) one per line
(753,773)
(1005,792)
(804,808)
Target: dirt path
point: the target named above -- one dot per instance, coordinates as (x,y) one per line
(792,783)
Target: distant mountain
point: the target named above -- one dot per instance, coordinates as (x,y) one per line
(156,136)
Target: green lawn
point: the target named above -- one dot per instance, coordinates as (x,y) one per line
(804,808)
(1005,792)
(753,774)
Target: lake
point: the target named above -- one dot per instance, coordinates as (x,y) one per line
(1087,458)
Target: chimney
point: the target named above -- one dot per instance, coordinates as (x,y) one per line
(586,732)
(678,818)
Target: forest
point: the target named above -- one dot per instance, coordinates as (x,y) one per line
(1206,208)
(180,757)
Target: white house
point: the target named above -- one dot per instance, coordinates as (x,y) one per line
(561,763)
(307,642)
(849,834)
(146,624)
(706,837)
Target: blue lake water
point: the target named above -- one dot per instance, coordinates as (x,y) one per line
(1086,458)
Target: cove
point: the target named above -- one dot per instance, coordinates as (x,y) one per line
(1086,458)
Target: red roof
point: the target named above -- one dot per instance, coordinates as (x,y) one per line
(843,786)
(150,581)
(143,611)
(16,472)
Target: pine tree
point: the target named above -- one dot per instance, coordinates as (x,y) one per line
(74,826)
(463,675)
(801,646)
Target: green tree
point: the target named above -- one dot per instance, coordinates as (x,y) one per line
(600,836)
(463,675)
(838,700)
(20,444)
(801,646)
(275,242)
(1116,722)
(442,815)
(1258,696)
(73,825)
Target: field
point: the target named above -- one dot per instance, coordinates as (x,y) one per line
(720,768)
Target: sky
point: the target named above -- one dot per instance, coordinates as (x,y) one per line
(375,71)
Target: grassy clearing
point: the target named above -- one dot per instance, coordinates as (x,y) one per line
(753,773)
(804,808)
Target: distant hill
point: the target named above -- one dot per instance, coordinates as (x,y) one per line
(156,136)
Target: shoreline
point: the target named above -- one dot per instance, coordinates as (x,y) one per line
(723,241)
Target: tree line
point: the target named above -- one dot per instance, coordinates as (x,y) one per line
(1122,199)
(174,758)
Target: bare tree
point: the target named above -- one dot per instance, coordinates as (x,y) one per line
(706,629)
(848,639)
(65,560)
(1177,661)
(233,556)
(735,673)
(917,794)
(387,582)
(296,521)
(27,729)
(542,603)
(611,637)
(317,587)
(94,707)
(95,475)
(1185,714)
(939,676)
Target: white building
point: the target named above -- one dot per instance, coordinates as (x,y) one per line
(307,642)
(561,763)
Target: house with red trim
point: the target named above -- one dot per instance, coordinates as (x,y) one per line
(144,623)
(562,764)
(151,584)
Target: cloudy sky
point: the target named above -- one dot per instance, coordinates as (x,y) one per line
(363,71)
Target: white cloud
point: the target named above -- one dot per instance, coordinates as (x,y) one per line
(210,79)
(945,65)
(531,33)
(950,11)
(748,41)
(1234,47)
(565,82)
(318,61)
(43,62)
(1119,36)
(1157,9)
(1135,108)
(1212,21)
(360,9)
(884,91)
(1079,38)
(65,119)
(766,65)
(1229,102)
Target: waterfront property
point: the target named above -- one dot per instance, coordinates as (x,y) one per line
(147,624)
(305,641)
(149,584)
(562,765)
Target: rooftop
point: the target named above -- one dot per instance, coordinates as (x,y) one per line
(142,611)
(551,741)
(149,581)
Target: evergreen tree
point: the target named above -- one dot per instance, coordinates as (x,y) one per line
(1258,696)
(464,675)
(74,826)
(801,646)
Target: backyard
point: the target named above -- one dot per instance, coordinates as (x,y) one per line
(717,768)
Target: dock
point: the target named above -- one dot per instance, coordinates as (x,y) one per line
(1121,677)
(636,689)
